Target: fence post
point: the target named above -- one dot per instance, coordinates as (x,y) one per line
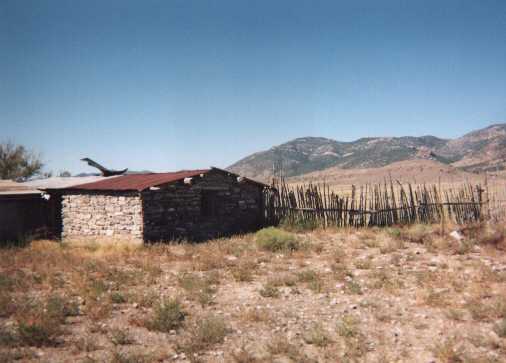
(487,196)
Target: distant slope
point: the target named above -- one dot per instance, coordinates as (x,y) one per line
(412,171)
(309,154)
(479,150)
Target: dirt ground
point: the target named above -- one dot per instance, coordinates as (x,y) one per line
(391,295)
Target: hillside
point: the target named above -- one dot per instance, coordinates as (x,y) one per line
(413,171)
(476,151)
(481,150)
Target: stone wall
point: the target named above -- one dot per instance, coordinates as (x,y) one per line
(175,210)
(108,214)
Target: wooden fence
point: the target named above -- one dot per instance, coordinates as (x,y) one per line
(372,205)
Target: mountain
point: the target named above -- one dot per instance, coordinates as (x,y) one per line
(481,150)
(416,170)
(476,151)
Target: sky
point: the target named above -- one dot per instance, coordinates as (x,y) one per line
(168,85)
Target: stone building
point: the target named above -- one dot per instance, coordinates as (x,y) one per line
(26,213)
(193,205)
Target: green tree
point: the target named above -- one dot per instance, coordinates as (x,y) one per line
(16,162)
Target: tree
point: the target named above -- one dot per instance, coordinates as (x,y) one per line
(64,174)
(16,162)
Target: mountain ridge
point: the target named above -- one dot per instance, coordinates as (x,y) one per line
(476,151)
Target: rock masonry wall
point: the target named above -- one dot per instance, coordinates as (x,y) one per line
(108,214)
(175,211)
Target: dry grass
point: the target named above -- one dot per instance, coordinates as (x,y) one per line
(320,296)
(168,315)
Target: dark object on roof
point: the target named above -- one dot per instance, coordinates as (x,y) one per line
(104,170)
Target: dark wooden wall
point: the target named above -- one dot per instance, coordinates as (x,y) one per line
(25,216)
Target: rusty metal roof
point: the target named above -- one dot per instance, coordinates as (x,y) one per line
(138,182)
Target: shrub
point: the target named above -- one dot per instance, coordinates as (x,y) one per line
(394,232)
(40,324)
(436,298)
(168,315)
(316,335)
(99,309)
(244,271)
(127,357)
(479,310)
(280,345)
(206,332)
(348,327)
(448,351)
(121,337)
(488,235)
(307,276)
(118,298)
(7,337)
(312,278)
(415,233)
(7,304)
(283,280)
(276,240)
(86,343)
(257,315)
(210,330)
(269,290)
(298,225)
(355,340)
(198,288)
(363,264)
(352,287)
(38,333)
(500,328)
(60,306)
(465,246)
(392,245)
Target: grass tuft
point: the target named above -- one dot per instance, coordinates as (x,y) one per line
(276,240)
(316,335)
(270,290)
(168,315)
(206,332)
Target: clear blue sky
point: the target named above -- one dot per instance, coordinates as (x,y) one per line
(165,85)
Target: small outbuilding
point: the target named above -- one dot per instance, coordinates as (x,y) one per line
(26,212)
(190,204)
(23,212)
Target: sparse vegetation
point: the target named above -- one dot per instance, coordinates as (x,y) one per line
(500,328)
(121,337)
(316,335)
(130,357)
(269,290)
(448,351)
(233,299)
(168,315)
(204,333)
(276,240)
(200,289)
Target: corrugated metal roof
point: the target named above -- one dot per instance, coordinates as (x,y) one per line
(9,187)
(58,182)
(137,182)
